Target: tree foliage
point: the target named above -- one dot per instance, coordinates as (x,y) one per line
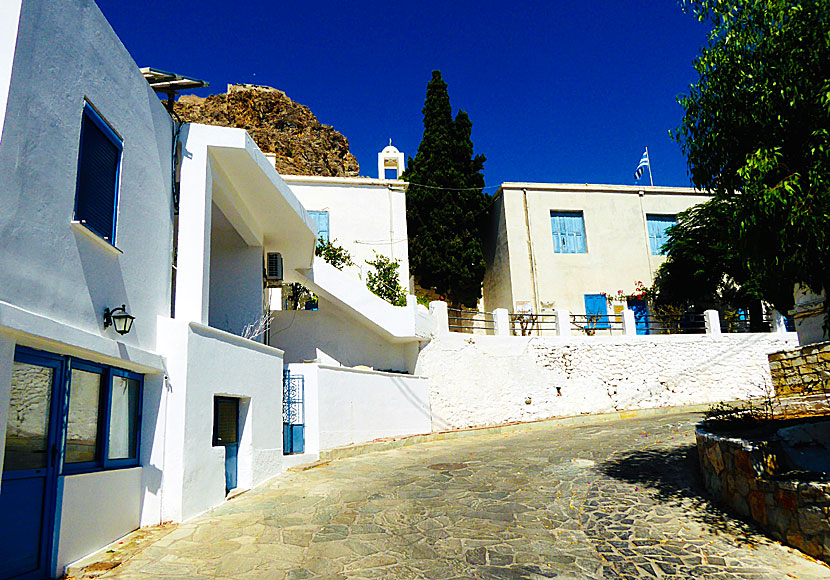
(446,203)
(335,255)
(295,294)
(755,134)
(383,281)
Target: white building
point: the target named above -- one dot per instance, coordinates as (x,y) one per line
(101,431)
(568,246)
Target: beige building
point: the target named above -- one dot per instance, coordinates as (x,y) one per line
(566,245)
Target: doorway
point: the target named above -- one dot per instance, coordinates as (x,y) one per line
(226,434)
(30,467)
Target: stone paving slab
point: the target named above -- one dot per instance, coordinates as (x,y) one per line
(605,499)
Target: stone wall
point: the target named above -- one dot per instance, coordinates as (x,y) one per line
(737,473)
(486,380)
(801,371)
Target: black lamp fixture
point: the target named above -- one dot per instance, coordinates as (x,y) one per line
(119,318)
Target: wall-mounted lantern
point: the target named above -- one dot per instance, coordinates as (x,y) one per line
(119,318)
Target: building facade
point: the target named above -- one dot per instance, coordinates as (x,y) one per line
(570,246)
(110,212)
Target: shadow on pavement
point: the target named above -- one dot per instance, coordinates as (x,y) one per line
(674,475)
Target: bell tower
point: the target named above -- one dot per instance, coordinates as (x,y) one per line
(390,158)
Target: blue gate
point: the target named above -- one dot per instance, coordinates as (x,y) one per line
(293,413)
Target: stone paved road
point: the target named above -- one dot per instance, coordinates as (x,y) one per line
(598,501)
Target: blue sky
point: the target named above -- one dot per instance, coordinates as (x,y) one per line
(557,91)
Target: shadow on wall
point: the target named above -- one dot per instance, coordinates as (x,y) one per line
(103,277)
(412,398)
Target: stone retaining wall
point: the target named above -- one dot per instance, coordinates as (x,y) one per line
(802,370)
(738,472)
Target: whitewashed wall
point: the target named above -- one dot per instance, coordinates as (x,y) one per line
(235,298)
(67,51)
(300,333)
(116,497)
(355,405)
(485,380)
(9,18)
(365,215)
(203,363)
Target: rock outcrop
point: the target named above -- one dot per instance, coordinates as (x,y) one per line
(278,125)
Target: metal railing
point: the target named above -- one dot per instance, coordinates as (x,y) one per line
(597,324)
(470,321)
(527,324)
(663,324)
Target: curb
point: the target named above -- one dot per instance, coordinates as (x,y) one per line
(408,440)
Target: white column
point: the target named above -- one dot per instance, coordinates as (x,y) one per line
(501,322)
(193,258)
(712,321)
(438,309)
(629,322)
(563,322)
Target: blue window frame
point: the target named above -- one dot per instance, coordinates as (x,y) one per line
(321,218)
(99,413)
(657,226)
(568,228)
(103,417)
(99,167)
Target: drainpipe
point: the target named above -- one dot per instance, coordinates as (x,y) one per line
(641,193)
(532,258)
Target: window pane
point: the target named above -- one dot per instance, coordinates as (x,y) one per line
(28,423)
(82,425)
(123,420)
(225,420)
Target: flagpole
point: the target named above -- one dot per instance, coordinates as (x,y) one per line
(650,176)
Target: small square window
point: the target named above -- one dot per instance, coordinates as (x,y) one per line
(99,162)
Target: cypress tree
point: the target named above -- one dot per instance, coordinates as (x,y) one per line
(446,203)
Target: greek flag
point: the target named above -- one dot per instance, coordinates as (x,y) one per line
(638,173)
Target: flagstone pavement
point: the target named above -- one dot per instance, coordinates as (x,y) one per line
(603,500)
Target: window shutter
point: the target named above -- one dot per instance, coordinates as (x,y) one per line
(95,200)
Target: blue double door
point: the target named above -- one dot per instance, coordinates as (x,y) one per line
(31,464)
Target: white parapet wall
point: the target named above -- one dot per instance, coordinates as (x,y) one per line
(487,380)
(351,405)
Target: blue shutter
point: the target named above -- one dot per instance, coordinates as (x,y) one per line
(321,218)
(657,226)
(568,231)
(597,305)
(98,168)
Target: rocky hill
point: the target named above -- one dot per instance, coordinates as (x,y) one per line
(302,145)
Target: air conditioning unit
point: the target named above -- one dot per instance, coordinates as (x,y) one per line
(273,269)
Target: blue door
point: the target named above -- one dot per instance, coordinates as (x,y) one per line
(30,467)
(640,309)
(596,308)
(293,414)
(226,434)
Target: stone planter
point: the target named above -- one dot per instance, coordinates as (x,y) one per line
(740,474)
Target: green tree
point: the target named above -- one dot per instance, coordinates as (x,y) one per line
(335,255)
(703,269)
(446,203)
(295,293)
(755,134)
(383,281)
